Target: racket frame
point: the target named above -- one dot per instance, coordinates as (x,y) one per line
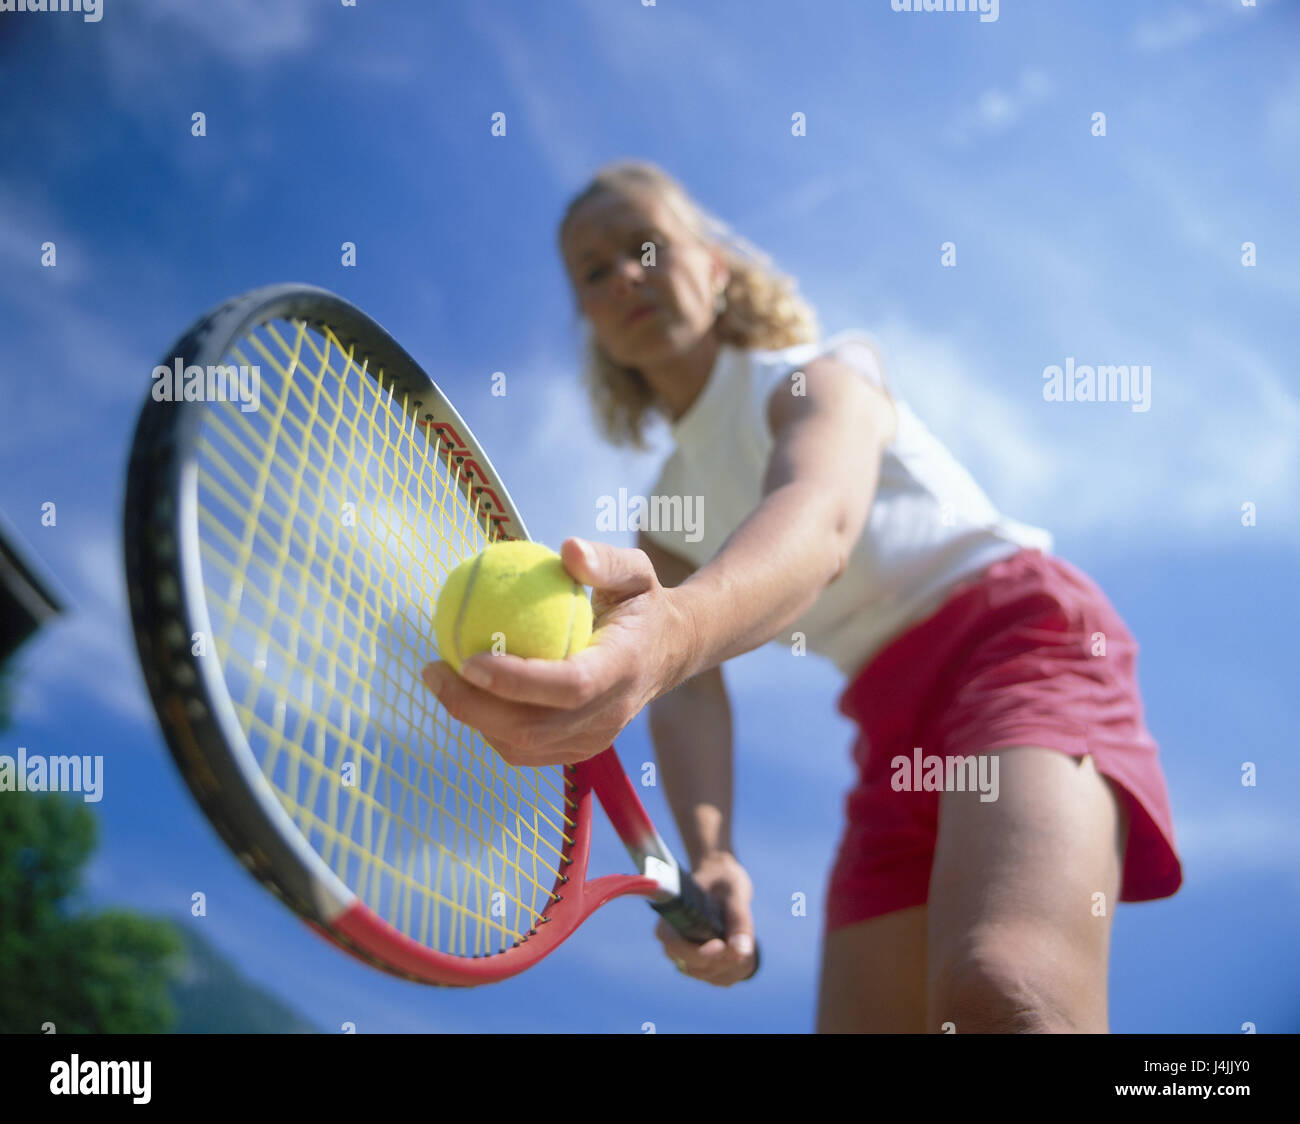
(198,716)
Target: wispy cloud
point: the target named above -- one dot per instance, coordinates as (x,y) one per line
(807,198)
(1176,474)
(1174,30)
(996,109)
(1182,478)
(87,653)
(556,124)
(1184,24)
(1282,116)
(248,33)
(700,46)
(545,420)
(1215,227)
(26,223)
(1228,842)
(244,37)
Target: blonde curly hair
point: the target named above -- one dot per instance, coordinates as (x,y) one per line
(763,310)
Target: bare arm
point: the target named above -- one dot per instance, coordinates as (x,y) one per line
(691,729)
(818,489)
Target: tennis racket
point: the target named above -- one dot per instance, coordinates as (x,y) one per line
(298,490)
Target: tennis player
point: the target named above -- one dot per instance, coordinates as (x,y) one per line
(829,510)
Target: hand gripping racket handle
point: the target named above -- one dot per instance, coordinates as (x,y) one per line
(694,913)
(697,915)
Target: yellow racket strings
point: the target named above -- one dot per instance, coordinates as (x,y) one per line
(328,521)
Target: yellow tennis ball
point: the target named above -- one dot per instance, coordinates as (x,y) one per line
(516,591)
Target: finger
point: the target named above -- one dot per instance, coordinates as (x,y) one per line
(565,684)
(706,973)
(491,715)
(721,975)
(678,947)
(703,960)
(740,931)
(728,967)
(523,736)
(733,961)
(614,573)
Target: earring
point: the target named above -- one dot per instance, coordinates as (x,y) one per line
(720,301)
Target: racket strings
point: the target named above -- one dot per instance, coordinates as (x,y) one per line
(328,521)
(354,620)
(381,829)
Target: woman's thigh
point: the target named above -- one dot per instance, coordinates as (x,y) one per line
(873,976)
(1022,893)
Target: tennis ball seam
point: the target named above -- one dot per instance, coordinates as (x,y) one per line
(508,571)
(463,607)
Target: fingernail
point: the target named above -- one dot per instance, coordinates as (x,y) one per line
(434,679)
(743,943)
(476,673)
(588,555)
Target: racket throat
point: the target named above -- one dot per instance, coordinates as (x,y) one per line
(668,874)
(649,853)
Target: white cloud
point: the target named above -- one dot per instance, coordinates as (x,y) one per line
(245,32)
(633,46)
(1174,30)
(621,52)
(996,110)
(1191,219)
(935,375)
(1181,477)
(26,222)
(781,212)
(543,442)
(1281,116)
(1180,26)
(88,651)
(173,40)
(1232,842)
(1216,228)
(1176,474)
(558,122)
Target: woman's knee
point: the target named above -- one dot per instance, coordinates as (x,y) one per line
(1005,983)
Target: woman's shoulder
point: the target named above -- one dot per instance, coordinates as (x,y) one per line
(858,348)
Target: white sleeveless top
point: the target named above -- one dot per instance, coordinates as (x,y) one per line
(930,524)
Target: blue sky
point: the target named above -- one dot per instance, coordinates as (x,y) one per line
(372,125)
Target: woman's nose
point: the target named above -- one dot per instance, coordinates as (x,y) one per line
(628,270)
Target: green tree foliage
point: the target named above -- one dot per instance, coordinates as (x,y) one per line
(106,972)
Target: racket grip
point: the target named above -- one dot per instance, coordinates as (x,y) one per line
(697,915)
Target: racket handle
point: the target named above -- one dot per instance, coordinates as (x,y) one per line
(697,915)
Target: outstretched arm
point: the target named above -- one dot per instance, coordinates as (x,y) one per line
(817,492)
(818,489)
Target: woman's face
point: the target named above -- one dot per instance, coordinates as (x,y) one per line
(640,314)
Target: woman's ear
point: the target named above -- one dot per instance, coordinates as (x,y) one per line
(721,276)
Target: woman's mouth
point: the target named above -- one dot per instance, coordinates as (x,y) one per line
(639,312)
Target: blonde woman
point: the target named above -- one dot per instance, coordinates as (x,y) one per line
(830,510)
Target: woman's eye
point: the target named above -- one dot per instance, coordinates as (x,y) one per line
(594,273)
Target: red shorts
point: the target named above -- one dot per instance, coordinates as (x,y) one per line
(1007,660)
